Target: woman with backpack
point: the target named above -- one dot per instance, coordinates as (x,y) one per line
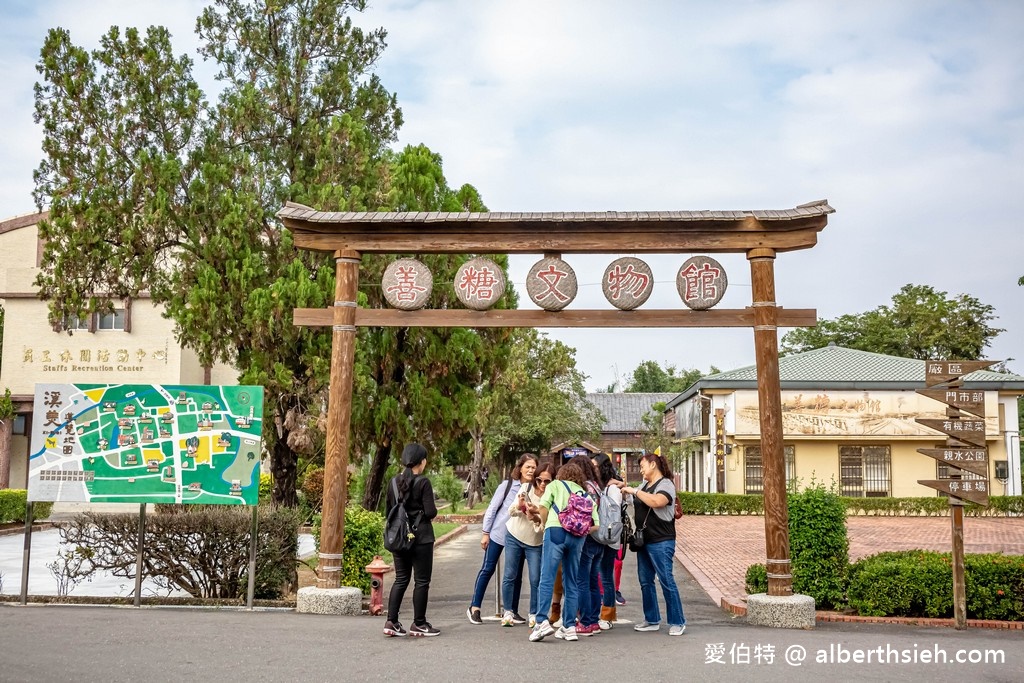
(654,513)
(589,576)
(608,476)
(562,510)
(492,541)
(413,491)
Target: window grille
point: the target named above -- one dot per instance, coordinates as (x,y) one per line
(865,471)
(754,465)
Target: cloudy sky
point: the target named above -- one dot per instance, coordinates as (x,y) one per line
(908,117)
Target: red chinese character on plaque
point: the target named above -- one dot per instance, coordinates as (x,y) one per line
(407,284)
(479,283)
(701,282)
(551,284)
(627,283)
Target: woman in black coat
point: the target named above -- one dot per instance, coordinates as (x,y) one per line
(417,495)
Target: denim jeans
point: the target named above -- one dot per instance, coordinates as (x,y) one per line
(515,552)
(656,559)
(487,570)
(560,548)
(607,564)
(588,585)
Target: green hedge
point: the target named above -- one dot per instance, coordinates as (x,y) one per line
(919,583)
(12,506)
(364,538)
(932,506)
(819,547)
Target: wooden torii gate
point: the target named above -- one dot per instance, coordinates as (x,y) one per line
(758,234)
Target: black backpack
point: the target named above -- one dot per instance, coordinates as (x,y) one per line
(399,534)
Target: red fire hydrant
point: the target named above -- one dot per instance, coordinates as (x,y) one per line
(377,569)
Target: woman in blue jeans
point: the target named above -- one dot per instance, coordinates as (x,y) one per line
(560,548)
(654,513)
(493,539)
(523,542)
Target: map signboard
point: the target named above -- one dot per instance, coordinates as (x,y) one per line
(146,443)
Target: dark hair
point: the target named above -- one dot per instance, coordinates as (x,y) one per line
(573,471)
(549,468)
(605,469)
(589,469)
(660,462)
(517,472)
(413,454)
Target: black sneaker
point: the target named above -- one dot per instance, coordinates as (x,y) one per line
(394,628)
(474,616)
(619,600)
(424,630)
(517,618)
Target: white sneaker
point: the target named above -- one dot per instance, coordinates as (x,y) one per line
(677,630)
(506,618)
(647,626)
(541,631)
(557,624)
(532,621)
(566,634)
(604,625)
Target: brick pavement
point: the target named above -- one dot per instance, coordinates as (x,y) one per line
(717,550)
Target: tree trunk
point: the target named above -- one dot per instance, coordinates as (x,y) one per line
(375,480)
(6,425)
(475,492)
(284,467)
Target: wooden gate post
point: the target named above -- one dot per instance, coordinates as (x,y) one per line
(766,348)
(339,418)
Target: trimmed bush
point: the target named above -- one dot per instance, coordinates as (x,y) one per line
(200,549)
(818,544)
(757,579)
(919,583)
(313,487)
(12,506)
(720,504)
(364,538)
(931,506)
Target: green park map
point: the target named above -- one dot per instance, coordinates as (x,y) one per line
(145,443)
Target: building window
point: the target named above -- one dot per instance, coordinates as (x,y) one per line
(19,425)
(755,467)
(865,471)
(114,320)
(74,322)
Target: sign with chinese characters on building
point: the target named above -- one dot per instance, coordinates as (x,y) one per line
(94,359)
(551,284)
(479,283)
(143,443)
(701,282)
(627,283)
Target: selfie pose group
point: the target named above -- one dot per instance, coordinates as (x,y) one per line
(570,530)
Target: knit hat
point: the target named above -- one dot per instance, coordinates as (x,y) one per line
(413,455)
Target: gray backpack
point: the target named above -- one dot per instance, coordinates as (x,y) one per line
(609,518)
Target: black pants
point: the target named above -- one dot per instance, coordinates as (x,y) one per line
(419,561)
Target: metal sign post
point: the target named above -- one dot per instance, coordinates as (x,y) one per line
(252,557)
(138,556)
(26,553)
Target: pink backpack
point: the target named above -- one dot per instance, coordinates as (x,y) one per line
(578,515)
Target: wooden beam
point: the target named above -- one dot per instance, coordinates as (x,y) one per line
(397,240)
(391,317)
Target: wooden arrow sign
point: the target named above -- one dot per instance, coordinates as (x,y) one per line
(968,431)
(970,459)
(968,400)
(976,491)
(939,371)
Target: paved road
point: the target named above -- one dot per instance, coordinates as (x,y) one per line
(47,643)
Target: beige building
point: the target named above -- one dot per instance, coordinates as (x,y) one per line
(847,417)
(133,344)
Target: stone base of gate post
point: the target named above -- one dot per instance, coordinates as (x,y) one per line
(781,611)
(346,601)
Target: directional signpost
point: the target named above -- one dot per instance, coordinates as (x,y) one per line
(965,451)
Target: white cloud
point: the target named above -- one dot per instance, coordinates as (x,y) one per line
(907,116)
